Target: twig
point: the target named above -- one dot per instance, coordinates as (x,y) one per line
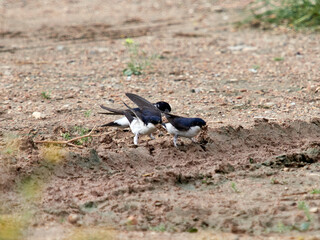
(148,174)
(69,142)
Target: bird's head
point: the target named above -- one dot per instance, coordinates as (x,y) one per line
(163,106)
(199,122)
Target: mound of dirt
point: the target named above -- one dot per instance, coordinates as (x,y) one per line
(156,186)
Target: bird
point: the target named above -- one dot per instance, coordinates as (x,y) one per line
(182,126)
(123,122)
(143,120)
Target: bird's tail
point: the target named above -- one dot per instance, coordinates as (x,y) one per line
(111,124)
(112,111)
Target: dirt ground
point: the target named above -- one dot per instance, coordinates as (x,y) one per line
(254,173)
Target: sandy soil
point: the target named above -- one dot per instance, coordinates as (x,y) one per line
(253,174)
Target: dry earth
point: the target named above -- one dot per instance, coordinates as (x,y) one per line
(253,174)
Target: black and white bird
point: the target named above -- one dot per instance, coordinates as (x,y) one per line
(143,120)
(183,127)
(124,122)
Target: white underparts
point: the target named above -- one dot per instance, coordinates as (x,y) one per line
(122,122)
(192,132)
(140,128)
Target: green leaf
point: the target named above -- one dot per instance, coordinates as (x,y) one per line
(129,41)
(304,226)
(315,191)
(192,230)
(127,72)
(278,59)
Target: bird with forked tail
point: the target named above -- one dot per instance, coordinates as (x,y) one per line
(123,122)
(143,120)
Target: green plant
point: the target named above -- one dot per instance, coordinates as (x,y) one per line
(46,95)
(303,206)
(77,131)
(282,228)
(207,181)
(81,131)
(132,69)
(87,113)
(256,67)
(234,187)
(278,59)
(66,136)
(302,226)
(138,59)
(315,191)
(159,228)
(292,13)
(192,230)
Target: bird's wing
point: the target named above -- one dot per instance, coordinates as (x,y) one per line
(132,112)
(144,104)
(129,116)
(112,110)
(177,122)
(140,101)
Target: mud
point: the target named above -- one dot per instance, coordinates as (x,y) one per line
(253,173)
(229,181)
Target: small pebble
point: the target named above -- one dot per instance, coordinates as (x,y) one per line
(60,48)
(131,220)
(270,104)
(73,218)
(313,210)
(37,115)
(293,104)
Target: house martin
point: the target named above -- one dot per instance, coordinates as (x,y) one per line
(123,122)
(184,127)
(144,119)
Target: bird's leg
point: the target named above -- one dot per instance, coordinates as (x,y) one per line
(135,139)
(152,137)
(175,140)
